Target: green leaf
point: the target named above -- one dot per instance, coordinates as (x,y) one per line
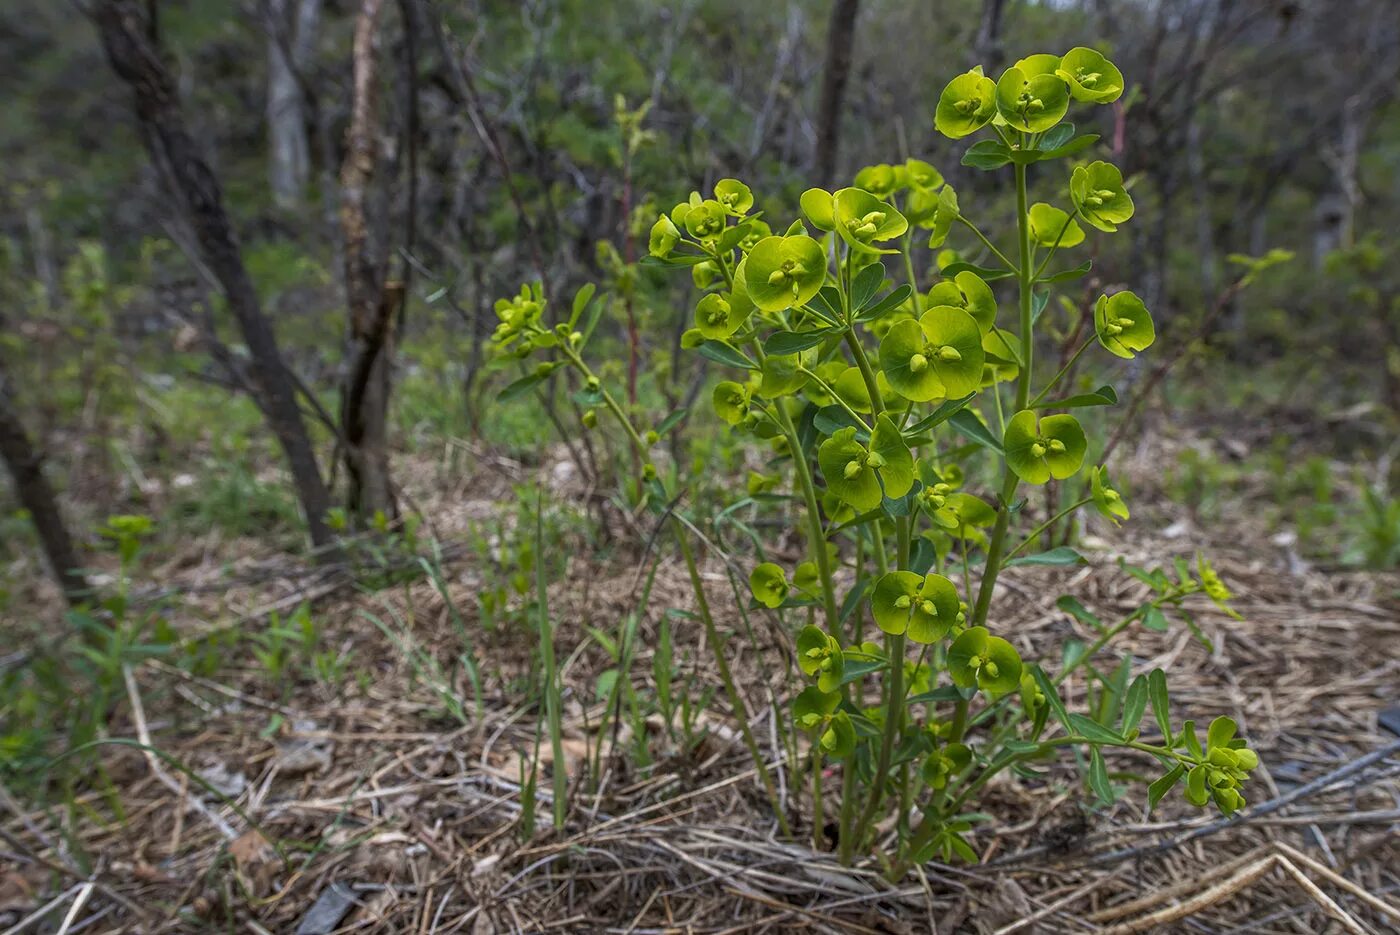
(521,387)
(1135,704)
(865,284)
(722,353)
(1059,556)
(1093,730)
(1052,697)
(1078,144)
(1071,605)
(987,155)
(831,419)
(1098,777)
(988,273)
(943,413)
(1066,274)
(1056,136)
(969,425)
(889,303)
(1157,692)
(1160,787)
(784,343)
(672,420)
(581,300)
(1154,619)
(1103,396)
(860,668)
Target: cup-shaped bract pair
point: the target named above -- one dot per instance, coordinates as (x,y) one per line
(969,292)
(940,355)
(731,401)
(719,314)
(945,762)
(863,220)
(663,238)
(781,272)
(1097,191)
(1039,449)
(925,608)
(863,476)
(1123,324)
(1031,103)
(769,585)
(979,660)
(735,196)
(706,220)
(1052,227)
(518,314)
(819,656)
(967,104)
(1091,77)
(1108,501)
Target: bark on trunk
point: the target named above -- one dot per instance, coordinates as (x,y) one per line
(373,302)
(291,33)
(136,59)
(840,37)
(26,466)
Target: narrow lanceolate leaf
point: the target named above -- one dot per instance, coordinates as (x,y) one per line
(943,413)
(1070,605)
(866,284)
(521,387)
(1135,704)
(1052,698)
(672,420)
(1093,730)
(1098,777)
(1060,555)
(1160,787)
(1065,274)
(783,343)
(722,353)
(890,302)
(988,273)
(1103,396)
(1157,691)
(969,425)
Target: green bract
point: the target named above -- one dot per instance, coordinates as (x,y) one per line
(781,272)
(735,196)
(882,180)
(966,104)
(938,355)
(1051,226)
(856,473)
(731,401)
(1097,191)
(970,292)
(1042,63)
(1123,324)
(945,213)
(1108,501)
(839,739)
(1037,451)
(979,660)
(718,317)
(921,176)
(705,221)
(1031,103)
(1090,76)
(926,608)
(1226,763)
(813,707)
(945,762)
(769,585)
(663,238)
(863,219)
(819,654)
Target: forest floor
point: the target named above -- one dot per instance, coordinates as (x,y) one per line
(367,807)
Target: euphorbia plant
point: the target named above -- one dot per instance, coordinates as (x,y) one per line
(912,419)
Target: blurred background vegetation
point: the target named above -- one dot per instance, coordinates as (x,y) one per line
(528,139)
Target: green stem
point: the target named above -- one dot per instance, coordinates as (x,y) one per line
(817,808)
(1063,370)
(989,245)
(1056,245)
(1031,536)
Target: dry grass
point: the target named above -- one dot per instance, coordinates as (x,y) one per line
(393,818)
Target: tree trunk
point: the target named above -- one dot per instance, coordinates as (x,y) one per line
(840,37)
(136,59)
(26,466)
(373,302)
(291,29)
(987,45)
